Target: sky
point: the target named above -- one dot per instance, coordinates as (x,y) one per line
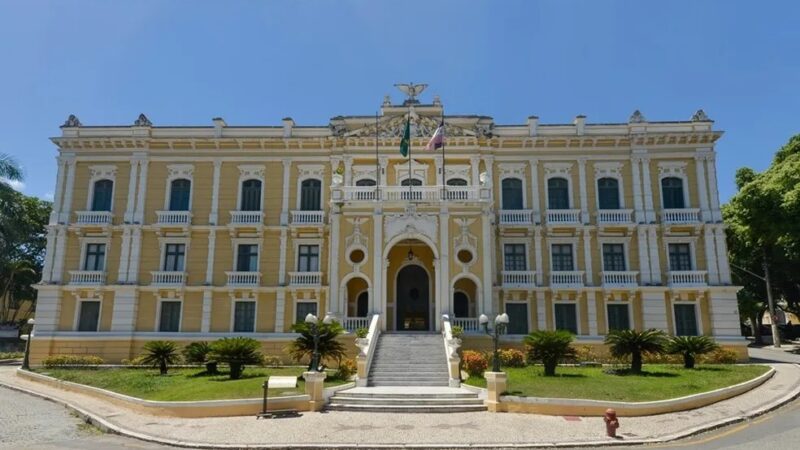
(253,63)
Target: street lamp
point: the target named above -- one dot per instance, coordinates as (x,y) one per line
(312,321)
(27,338)
(500,323)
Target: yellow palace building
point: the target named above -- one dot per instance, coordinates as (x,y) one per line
(191,233)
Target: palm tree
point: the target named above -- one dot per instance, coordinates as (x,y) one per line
(198,353)
(161,354)
(636,344)
(236,352)
(549,347)
(690,347)
(328,345)
(9,171)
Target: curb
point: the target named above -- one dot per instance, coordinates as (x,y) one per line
(108,427)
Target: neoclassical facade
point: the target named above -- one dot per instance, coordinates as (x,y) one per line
(193,233)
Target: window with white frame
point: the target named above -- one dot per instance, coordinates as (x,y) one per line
(180,192)
(95,258)
(618,315)
(566,316)
(102,195)
(169,316)
(557,193)
(311,195)
(515,257)
(244,317)
(302,309)
(247,258)
(614,257)
(562,257)
(174,257)
(685,319)
(308,258)
(672,193)
(513,197)
(680,257)
(251,195)
(608,193)
(88,315)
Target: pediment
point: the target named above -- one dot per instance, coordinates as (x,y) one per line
(421,126)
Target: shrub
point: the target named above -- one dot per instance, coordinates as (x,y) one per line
(362,332)
(347,368)
(12,355)
(137,361)
(636,343)
(511,357)
(549,347)
(719,356)
(689,347)
(72,360)
(328,346)
(457,331)
(661,358)
(236,352)
(161,354)
(475,363)
(198,353)
(271,361)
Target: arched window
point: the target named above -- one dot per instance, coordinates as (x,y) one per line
(179,191)
(251,195)
(366,182)
(608,193)
(557,193)
(310,195)
(512,193)
(362,304)
(367,194)
(460,304)
(411,181)
(102,194)
(413,195)
(456,182)
(672,193)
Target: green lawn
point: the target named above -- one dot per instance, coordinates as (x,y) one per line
(658,382)
(184,384)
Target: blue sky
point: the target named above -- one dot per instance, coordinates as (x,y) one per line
(251,62)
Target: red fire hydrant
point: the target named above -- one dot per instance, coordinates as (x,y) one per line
(612,423)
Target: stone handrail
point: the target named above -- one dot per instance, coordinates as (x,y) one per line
(366,347)
(451,346)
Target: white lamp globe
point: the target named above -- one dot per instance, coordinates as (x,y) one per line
(310,318)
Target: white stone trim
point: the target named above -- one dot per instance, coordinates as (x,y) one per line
(130,205)
(610,170)
(98,297)
(138,214)
(516,240)
(624,240)
(179,172)
(364,172)
(84,243)
(310,172)
(697,317)
(162,243)
(97,173)
(66,205)
(691,240)
(563,240)
(419,171)
(558,170)
(251,172)
(213,216)
(457,171)
(236,242)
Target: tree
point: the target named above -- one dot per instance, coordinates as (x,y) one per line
(635,343)
(9,171)
(161,354)
(689,347)
(328,346)
(237,352)
(199,353)
(751,308)
(549,347)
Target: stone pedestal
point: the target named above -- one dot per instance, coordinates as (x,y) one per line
(496,383)
(314,387)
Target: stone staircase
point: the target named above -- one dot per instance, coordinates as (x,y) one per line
(408,374)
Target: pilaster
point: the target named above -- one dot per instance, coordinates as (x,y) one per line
(541,312)
(47,270)
(537,250)
(287,167)
(66,207)
(444,266)
(582,189)
(212,249)
(136,248)
(722,256)
(48,308)
(282,258)
(654,310)
(488,276)
(58,258)
(280,310)
(437,162)
(591,312)
(130,204)
(62,168)
(537,218)
(213,217)
(650,214)
(205,318)
(702,192)
(716,214)
(724,314)
(587,256)
(376,301)
(655,255)
(124,257)
(711,255)
(333,263)
(123,316)
(348,171)
(637,190)
(644,255)
(138,216)
(474,164)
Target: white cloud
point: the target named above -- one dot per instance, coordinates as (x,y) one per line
(16,185)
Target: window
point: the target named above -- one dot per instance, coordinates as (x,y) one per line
(562,258)
(456,182)
(366,194)
(102,194)
(517,318)
(512,193)
(608,193)
(251,195)
(247,258)
(310,195)
(366,182)
(179,192)
(95,257)
(89,316)
(680,257)
(618,317)
(557,193)
(362,304)
(170,319)
(672,193)
(566,317)
(303,309)
(411,181)
(614,258)
(308,258)
(244,317)
(460,304)
(685,320)
(515,258)
(173,257)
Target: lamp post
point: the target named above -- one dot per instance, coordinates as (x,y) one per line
(27,338)
(500,323)
(312,321)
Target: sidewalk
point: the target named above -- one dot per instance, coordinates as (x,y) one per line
(480,429)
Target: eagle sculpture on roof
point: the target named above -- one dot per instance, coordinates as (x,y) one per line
(411,90)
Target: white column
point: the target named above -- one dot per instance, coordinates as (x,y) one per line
(124,257)
(58,195)
(48,308)
(138,216)
(541,311)
(582,188)
(212,248)
(713,188)
(131,202)
(655,256)
(439,295)
(47,270)
(591,312)
(722,256)
(650,213)
(348,171)
(644,255)
(702,193)
(537,218)
(711,255)
(537,250)
(280,310)
(287,166)
(488,276)
(444,267)
(440,176)
(637,190)
(58,257)
(66,207)
(282,259)
(488,162)
(474,163)
(123,316)
(376,301)
(205,321)
(136,248)
(587,256)
(654,311)
(333,264)
(213,217)
(724,314)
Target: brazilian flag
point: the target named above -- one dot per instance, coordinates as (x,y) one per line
(405,143)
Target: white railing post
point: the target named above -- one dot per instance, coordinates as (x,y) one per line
(451,346)
(366,348)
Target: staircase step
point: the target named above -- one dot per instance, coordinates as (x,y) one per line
(406,408)
(407,401)
(452,396)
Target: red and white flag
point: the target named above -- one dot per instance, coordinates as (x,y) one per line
(437,140)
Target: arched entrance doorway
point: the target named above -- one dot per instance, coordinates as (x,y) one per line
(413,299)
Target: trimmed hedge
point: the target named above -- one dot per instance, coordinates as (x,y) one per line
(72,360)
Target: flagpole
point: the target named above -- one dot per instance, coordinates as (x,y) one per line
(444,161)
(410,194)
(377,163)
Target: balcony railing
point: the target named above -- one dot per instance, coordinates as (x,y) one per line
(519,278)
(416,193)
(516,217)
(164,278)
(566,279)
(173,217)
(243,278)
(620,279)
(614,216)
(307,217)
(563,216)
(687,278)
(305,278)
(94,277)
(247,217)
(685,215)
(467,324)
(93,217)
(354,323)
